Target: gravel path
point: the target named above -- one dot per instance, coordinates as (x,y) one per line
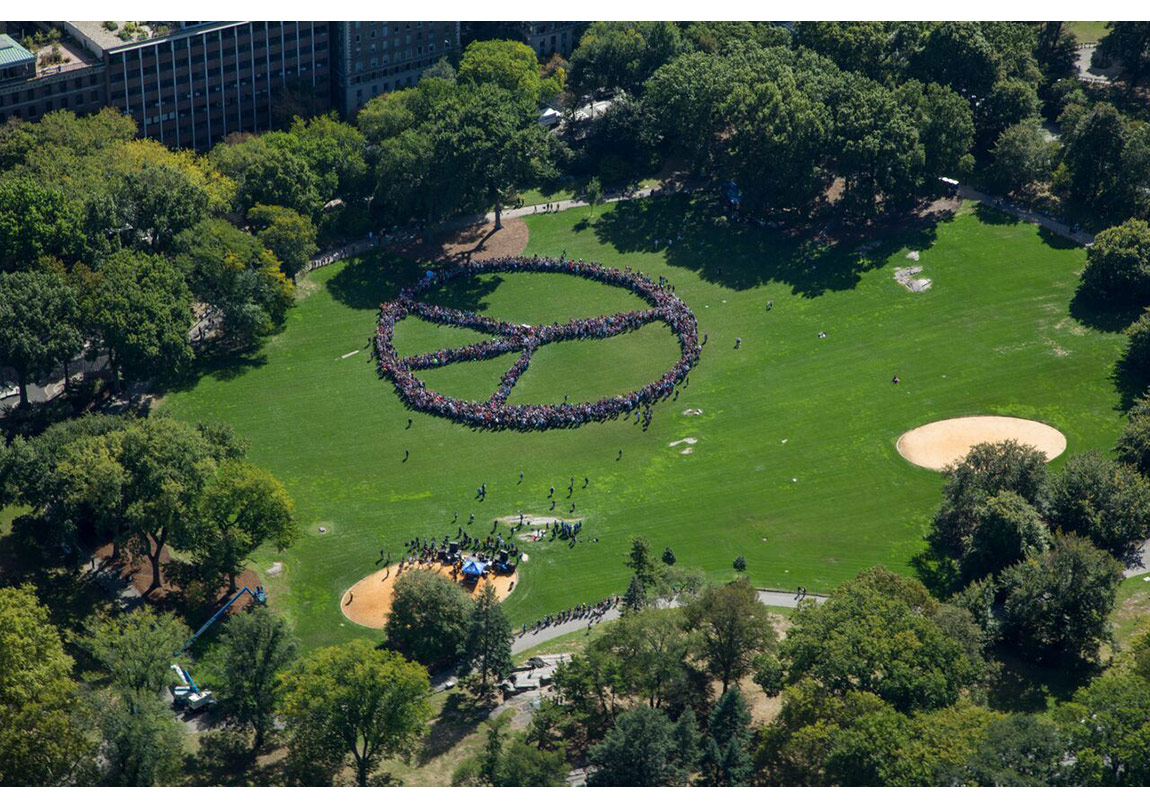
(770,597)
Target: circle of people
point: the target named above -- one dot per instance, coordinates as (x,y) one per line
(495,413)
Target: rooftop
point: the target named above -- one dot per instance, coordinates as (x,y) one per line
(12,53)
(117,33)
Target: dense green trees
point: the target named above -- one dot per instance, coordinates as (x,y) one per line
(149,484)
(1022,156)
(1118,264)
(622,55)
(429,619)
(290,236)
(1107,725)
(368,704)
(509,65)
(1056,606)
(36,221)
(488,648)
(1101,499)
(39,324)
(136,650)
(233,271)
(639,750)
(254,649)
(732,628)
(451,147)
(1133,445)
(43,722)
(1129,43)
(140,312)
(883,634)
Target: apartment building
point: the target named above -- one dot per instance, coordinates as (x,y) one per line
(379,57)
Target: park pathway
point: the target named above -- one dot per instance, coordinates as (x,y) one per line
(524,642)
(1028,215)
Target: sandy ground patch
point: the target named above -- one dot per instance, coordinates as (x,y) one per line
(368,602)
(535,520)
(479,239)
(688,441)
(937,445)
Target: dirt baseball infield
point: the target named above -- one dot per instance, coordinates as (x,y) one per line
(937,445)
(368,602)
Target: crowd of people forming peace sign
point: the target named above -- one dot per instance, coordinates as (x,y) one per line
(496,413)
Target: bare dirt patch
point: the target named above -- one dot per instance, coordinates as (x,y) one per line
(479,240)
(368,602)
(937,445)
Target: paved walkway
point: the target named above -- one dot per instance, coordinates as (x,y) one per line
(770,597)
(1032,216)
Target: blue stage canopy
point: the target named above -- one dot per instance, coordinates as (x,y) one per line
(473,567)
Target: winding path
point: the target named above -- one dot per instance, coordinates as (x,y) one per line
(523,642)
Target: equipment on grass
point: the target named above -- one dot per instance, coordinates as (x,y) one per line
(258,595)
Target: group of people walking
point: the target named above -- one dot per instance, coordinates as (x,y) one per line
(592,613)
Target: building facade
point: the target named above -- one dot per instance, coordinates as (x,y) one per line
(32,86)
(549,38)
(204,81)
(379,57)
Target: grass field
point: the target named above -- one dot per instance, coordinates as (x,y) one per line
(794,466)
(1087,31)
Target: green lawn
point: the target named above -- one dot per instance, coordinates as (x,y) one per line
(794,465)
(1087,31)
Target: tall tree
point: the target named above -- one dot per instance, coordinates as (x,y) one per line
(429,618)
(622,55)
(1118,265)
(290,236)
(374,704)
(488,653)
(255,647)
(141,313)
(877,633)
(243,508)
(39,324)
(732,627)
(505,63)
(43,723)
(1107,724)
(1057,605)
(36,221)
(1102,500)
(1129,43)
(142,742)
(136,650)
(639,750)
(235,272)
(726,753)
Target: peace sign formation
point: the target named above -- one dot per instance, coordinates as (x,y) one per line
(496,413)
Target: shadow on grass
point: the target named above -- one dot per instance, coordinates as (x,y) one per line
(458,719)
(988,214)
(1102,316)
(1130,381)
(465,293)
(372,278)
(740,256)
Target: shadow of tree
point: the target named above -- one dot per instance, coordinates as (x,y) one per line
(988,214)
(458,719)
(1100,316)
(1131,382)
(465,293)
(369,279)
(741,256)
